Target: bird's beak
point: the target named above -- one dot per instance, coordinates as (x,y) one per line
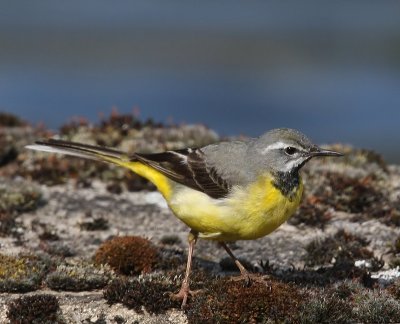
(321,152)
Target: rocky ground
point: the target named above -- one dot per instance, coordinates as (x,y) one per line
(83,242)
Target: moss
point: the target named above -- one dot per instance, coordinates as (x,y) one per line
(394,262)
(227,301)
(21,273)
(345,289)
(119,319)
(49,235)
(57,248)
(18,196)
(35,309)
(79,276)
(170,239)
(396,245)
(115,188)
(227,264)
(101,319)
(53,170)
(73,125)
(133,182)
(349,303)
(127,255)
(9,226)
(311,213)
(358,158)
(376,307)
(149,291)
(353,195)
(94,224)
(325,275)
(364,197)
(170,258)
(321,307)
(339,248)
(394,289)
(8,150)
(337,255)
(10,120)
(390,215)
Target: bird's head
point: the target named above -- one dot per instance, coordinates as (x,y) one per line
(285,150)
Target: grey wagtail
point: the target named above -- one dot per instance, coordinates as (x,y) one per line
(228,191)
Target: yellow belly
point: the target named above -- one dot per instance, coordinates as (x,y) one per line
(247,213)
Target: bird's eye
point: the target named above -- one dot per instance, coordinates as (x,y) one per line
(290,150)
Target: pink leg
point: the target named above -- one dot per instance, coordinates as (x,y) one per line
(185,291)
(242,269)
(244,274)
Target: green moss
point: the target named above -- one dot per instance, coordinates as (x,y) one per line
(127,255)
(79,276)
(149,291)
(21,273)
(35,309)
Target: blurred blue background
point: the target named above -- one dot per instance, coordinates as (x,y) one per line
(239,67)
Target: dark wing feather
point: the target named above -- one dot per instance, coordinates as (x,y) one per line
(188,167)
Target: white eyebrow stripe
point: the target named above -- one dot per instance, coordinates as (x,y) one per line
(274,146)
(278,145)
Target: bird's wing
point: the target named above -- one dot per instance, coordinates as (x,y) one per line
(188,167)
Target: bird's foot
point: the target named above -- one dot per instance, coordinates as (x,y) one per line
(183,294)
(250,278)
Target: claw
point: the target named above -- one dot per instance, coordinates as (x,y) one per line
(183,295)
(250,278)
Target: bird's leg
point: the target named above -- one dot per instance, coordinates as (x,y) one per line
(244,273)
(185,291)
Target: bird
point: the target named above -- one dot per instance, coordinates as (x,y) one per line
(225,191)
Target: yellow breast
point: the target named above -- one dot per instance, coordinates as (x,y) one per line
(248,213)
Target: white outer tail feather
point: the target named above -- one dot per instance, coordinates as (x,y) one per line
(58,150)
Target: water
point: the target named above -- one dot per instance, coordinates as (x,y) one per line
(331,72)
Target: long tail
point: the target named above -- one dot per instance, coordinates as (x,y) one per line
(100,153)
(86,151)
